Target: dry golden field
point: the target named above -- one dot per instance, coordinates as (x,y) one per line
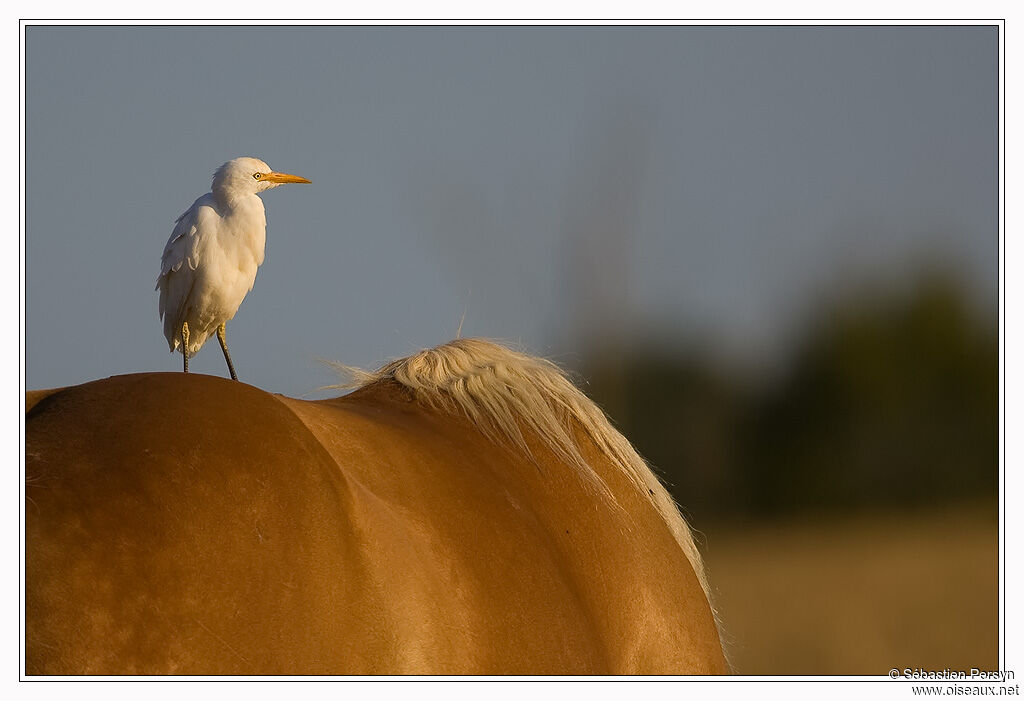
(860,595)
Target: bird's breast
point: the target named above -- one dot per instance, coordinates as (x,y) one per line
(230,262)
(243,234)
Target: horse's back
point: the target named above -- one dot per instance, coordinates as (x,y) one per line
(195,525)
(180,524)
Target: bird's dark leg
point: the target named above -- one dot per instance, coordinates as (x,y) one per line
(184,342)
(222,336)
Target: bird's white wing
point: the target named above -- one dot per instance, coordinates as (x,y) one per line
(182,256)
(182,246)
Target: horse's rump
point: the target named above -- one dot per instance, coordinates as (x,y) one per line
(189,524)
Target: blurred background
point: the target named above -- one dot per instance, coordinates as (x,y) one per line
(770,253)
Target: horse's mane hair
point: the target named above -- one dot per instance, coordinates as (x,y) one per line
(501,390)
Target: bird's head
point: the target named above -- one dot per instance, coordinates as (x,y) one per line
(248,176)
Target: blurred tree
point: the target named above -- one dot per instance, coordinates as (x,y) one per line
(889,399)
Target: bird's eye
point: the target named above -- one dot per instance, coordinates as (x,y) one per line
(257,175)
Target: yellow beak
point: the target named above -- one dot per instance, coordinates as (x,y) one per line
(284,178)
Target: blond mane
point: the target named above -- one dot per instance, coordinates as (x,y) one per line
(501,390)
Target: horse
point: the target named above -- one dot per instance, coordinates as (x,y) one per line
(464,510)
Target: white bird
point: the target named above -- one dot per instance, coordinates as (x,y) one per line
(209,263)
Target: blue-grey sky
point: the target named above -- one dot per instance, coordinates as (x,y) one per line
(553,184)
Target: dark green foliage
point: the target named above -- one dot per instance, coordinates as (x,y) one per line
(889,399)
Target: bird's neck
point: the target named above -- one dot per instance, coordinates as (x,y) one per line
(229,201)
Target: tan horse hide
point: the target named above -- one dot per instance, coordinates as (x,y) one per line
(437,520)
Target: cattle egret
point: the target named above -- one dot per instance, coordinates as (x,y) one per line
(209,263)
